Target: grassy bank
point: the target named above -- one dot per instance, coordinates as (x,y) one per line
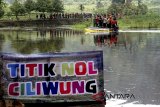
(128,22)
(141,21)
(82,25)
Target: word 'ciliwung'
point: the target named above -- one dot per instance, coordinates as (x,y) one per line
(52,88)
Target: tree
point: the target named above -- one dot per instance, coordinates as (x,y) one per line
(1,8)
(43,5)
(127,10)
(17,9)
(57,6)
(29,6)
(81,7)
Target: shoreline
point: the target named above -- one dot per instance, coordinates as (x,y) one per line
(40,23)
(33,28)
(66,27)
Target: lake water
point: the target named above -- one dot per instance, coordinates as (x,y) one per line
(131,59)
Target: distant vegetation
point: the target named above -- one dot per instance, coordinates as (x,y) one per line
(1,8)
(19,8)
(128,9)
(26,7)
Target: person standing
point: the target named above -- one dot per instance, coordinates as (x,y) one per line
(97,21)
(114,24)
(104,22)
(100,22)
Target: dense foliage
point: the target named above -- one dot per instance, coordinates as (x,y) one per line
(26,7)
(1,8)
(1,12)
(57,6)
(21,8)
(49,6)
(128,10)
(42,5)
(29,6)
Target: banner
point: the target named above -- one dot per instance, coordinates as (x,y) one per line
(52,77)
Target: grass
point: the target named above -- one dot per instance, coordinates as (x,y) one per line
(140,21)
(74,8)
(82,25)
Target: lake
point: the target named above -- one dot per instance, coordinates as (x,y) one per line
(131,58)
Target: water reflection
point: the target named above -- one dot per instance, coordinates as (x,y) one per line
(1,40)
(110,39)
(26,42)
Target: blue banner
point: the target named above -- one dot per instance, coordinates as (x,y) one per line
(52,77)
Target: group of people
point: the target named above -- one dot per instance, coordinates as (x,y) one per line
(106,21)
(101,21)
(64,16)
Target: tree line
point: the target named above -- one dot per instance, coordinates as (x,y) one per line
(18,8)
